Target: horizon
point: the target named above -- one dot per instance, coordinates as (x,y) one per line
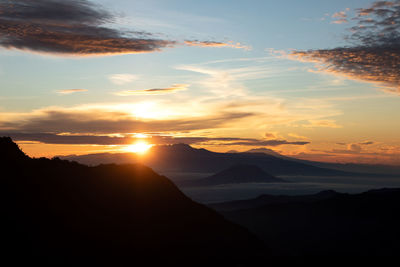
(316,81)
(147,152)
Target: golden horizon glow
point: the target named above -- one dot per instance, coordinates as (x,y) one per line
(138,147)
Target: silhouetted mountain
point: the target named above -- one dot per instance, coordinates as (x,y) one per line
(238,173)
(374,169)
(265,151)
(184,158)
(371,169)
(61,213)
(338,227)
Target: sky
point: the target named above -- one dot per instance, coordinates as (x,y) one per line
(315,79)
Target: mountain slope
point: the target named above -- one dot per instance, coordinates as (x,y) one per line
(264,200)
(341,227)
(236,174)
(184,158)
(60,213)
(370,169)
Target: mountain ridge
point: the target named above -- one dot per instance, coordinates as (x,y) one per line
(57,212)
(237,174)
(358,228)
(184,158)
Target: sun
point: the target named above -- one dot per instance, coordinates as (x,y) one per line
(139,147)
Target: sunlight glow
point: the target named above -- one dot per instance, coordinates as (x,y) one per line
(139,147)
(140,135)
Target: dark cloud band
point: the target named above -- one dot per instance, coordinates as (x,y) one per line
(68,27)
(49,138)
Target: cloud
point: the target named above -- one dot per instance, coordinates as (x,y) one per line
(294,135)
(123,78)
(375,52)
(340,21)
(70,91)
(322,123)
(357,144)
(226,82)
(367,143)
(78,28)
(270,135)
(73,27)
(108,120)
(256,142)
(155,91)
(216,44)
(51,138)
(354,148)
(340,17)
(340,14)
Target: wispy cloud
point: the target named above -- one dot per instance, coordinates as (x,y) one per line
(375,54)
(227,81)
(340,21)
(322,123)
(71,91)
(155,91)
(340,17)
(268,143)
(217,44)
(294,135)
(122,78)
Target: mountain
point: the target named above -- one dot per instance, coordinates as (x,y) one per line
(359,228)
(184,158)
(61,213)
(264,200)
(236,174)
(371,169)
(265,151)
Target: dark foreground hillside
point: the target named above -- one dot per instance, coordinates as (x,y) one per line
(326,227)
(60,213)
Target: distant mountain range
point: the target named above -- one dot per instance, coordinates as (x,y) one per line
(236,174)
(184,158)
(61,213)
(374,169)
(358,228)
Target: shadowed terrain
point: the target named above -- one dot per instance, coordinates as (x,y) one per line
(62,213)
(340,227)
(236,174)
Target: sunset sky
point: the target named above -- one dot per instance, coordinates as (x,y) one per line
(313,79)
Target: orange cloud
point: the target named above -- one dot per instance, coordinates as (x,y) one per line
(71,91)
(122,78)
(340,21)
(322,123)
(216,44)
(341,17)
(103,120)
(155,91)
